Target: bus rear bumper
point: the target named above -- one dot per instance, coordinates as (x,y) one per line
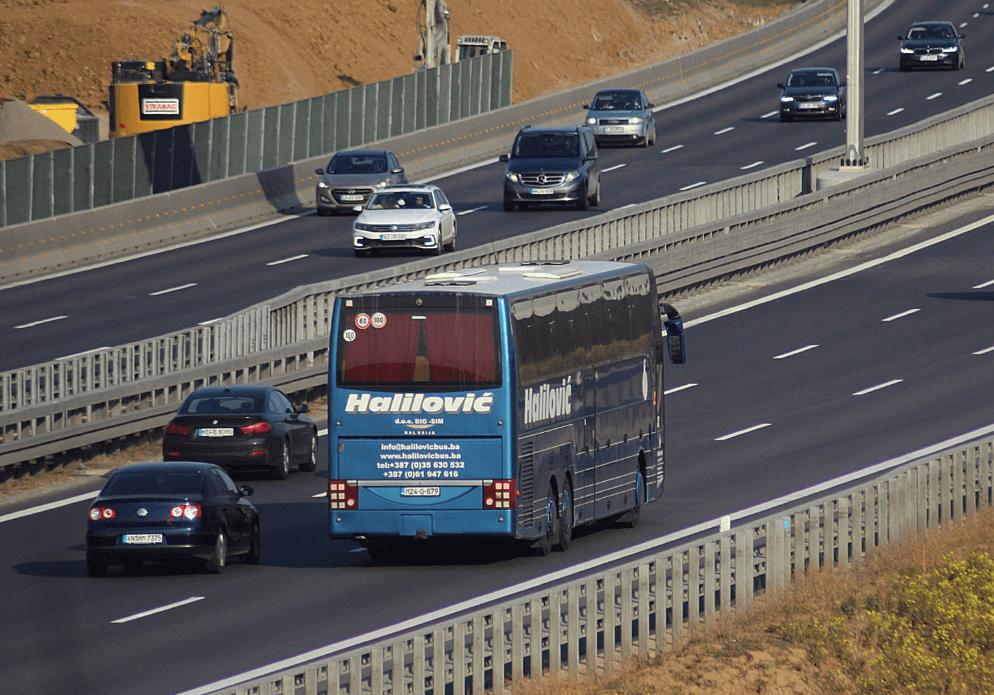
(382,524)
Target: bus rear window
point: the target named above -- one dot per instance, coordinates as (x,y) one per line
(418,350)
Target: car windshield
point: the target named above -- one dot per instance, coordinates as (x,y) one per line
(161,482)
(401,200)
(221,405)
(811,79)
(358,164)
(930,32)
(616,101)
(547,145)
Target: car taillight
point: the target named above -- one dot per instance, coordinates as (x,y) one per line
(500,494)
(257,428)
(101,513)
(342,495)
(173,428)
(185,511)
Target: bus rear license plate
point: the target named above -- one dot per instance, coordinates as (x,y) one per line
(421,492)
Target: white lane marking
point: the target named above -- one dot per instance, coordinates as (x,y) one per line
(173,289)
(805,147)
(984,351)
(777,296)
(694,185)
(990,69)
(680,388)
(672,149)
(49,506)
(895,111)
(732,435)
(935,95)
(616,166)
(983,285)
(162,609)
(288,260)
(38,323)
(729,129)
(895,317)
(878,71)
(85,352)
(753,165)
(771,114)
(798,351)
(884,385)
(968,80)
(471,210)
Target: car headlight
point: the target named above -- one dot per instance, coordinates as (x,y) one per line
(362,227)
(786,100)
(635,119)
(574,175)
(381,184)
(830,97)
(425,225)
(591,121)
(322,184)
(907,51)
(512,177)
(950,49)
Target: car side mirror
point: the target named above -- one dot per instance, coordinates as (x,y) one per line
(247,490)
(302,408)
(319,172)
(780,85)
(586,106)
(650,106)
(962,36)
(503,158)
(398,171)
(443,208)
(900,38)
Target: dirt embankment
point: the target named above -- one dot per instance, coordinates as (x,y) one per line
(290,50)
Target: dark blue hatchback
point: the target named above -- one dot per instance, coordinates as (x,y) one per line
(165,512)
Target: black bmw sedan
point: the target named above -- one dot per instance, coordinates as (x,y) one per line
(813,93)
(243,427)
(932,45)
(167,512)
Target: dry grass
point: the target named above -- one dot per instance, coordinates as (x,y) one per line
(914,618)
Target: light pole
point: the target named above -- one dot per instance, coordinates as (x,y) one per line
(854,157)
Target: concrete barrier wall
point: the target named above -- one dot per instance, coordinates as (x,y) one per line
(649,599)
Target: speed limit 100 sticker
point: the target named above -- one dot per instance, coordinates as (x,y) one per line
(362,321)
(349,335)
(379,320)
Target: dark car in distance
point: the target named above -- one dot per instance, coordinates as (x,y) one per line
(812,93)
(552,165)
(243,427)
(167,512)
(351,178)
(932,45)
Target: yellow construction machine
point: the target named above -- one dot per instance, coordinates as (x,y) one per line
(196,84)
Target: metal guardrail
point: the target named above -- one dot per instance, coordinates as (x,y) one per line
(615,610)
(690,239)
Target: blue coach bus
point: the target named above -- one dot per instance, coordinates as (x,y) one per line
(513,401)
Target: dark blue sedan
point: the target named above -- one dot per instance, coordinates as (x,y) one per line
(165,512)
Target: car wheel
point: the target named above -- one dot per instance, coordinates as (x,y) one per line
(282,469)
(838,115)
(785,118)
(631,518)
(361,253)
(904,68)
(544,544)
(509,206)
(565,535)
(581,204)
(215,563)
(312,460)
(255,547)
(437,250)
(451,246)
(595,199)
(95,568)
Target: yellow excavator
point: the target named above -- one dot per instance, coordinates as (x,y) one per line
(196,84)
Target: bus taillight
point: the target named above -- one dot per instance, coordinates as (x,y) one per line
(500,494)
(342,495)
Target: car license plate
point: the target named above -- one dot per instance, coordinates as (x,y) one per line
(811,105)
(141,538)
(930,57)
(541,191)
(216,432)
(421,491)
(613,129)
(392,237)
(351,197)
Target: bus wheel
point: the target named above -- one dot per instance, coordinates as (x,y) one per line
(566,518)
(544,544)
(631,518)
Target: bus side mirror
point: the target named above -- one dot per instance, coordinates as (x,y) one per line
(676,342)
